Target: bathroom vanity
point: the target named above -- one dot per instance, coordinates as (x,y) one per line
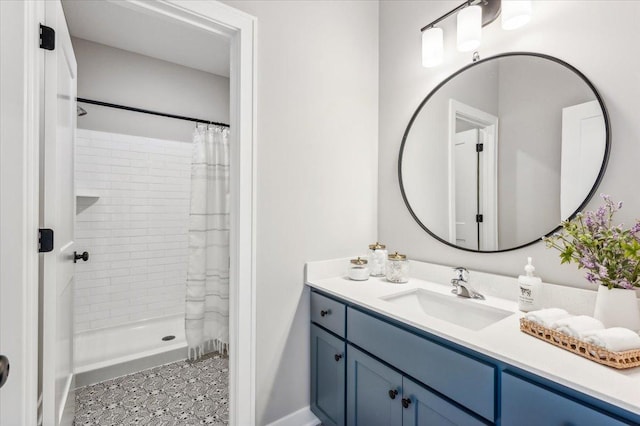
(415,354)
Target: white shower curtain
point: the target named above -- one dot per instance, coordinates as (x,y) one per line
(207,299)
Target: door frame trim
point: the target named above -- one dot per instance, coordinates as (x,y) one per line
(21,66)
(488,122)
(19,138)
(240,29)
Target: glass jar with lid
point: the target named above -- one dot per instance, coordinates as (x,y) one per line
(397,269)
(359,269)
(377,259)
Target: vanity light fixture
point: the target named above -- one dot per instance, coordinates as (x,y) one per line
(472,15)
(432,47)
(515,13)
(469,28)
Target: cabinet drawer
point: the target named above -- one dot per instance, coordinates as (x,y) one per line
(465,380)
(525,403)
(328,313)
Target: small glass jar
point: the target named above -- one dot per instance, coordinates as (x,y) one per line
(397,268)
(377,259)
(359,269)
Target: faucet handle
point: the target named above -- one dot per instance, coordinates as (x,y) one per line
(462,274)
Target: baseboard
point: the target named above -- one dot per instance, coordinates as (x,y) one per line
(302,417)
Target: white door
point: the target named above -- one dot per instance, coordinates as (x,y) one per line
(583,146)
(58,213)
(466,189)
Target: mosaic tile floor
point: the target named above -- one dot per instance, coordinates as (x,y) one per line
(180,394)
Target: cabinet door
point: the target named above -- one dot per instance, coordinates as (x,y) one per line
(424,408)
(327,377)
(374,392)
(527,404)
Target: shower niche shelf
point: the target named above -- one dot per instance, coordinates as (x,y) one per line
(87,195)
(84,200)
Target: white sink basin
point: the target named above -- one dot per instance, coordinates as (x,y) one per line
(469,313)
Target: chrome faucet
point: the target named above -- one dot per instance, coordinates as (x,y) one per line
(461,284)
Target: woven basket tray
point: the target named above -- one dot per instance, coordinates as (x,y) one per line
(627,359)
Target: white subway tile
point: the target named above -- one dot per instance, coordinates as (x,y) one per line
(136,231)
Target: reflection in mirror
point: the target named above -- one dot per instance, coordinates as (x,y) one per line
(502,151)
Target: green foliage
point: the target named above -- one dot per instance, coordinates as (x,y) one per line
(610,254)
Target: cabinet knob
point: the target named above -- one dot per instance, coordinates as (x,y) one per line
(325,313)
(337,357)
(393,393)
(406,402)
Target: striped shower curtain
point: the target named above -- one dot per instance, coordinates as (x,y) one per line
(207,298)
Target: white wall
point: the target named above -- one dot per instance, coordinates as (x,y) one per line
(531,136)
(317,154)
(117,76)
(596,36)
(135,232)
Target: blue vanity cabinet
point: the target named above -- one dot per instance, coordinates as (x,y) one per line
(374,392)
(391,374)
(380,396)
(525,403)
(461,378)
(327,377)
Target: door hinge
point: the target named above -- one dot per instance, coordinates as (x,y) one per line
(479,147)
(45,240)
(47,37)
(479,218)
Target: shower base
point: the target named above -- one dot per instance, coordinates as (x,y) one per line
(112,352)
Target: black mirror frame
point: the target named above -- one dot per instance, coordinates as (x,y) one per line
(588,198)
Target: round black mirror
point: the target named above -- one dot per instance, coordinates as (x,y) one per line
(502,151)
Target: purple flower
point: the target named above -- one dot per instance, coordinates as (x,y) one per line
(635,228)
(625,284)
(589,220)
(590,277)
(587,263)
(602,271)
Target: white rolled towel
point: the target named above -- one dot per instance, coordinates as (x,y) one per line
(616,339)
(577,326)
(546,317)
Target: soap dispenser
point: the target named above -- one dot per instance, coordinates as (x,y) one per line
(529,285)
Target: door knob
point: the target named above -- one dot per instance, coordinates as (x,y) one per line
(84,256)
(337,357)
(4,369)
(324,313)
(393,393)
(406,402)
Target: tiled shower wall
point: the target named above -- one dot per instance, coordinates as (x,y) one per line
(132,218)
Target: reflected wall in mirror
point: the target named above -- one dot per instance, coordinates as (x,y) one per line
(502,151)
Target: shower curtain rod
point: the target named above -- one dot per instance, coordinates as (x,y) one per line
(146,111)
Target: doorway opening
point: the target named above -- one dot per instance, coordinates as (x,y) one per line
(473,177)
(139,159)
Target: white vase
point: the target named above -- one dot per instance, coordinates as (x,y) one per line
(617,307)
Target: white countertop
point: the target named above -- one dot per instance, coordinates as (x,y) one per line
(502,340)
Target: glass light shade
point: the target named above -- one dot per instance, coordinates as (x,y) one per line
(469,28)
(432,47)
(515,13)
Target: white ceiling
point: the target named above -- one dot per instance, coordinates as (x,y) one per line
(117,26)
